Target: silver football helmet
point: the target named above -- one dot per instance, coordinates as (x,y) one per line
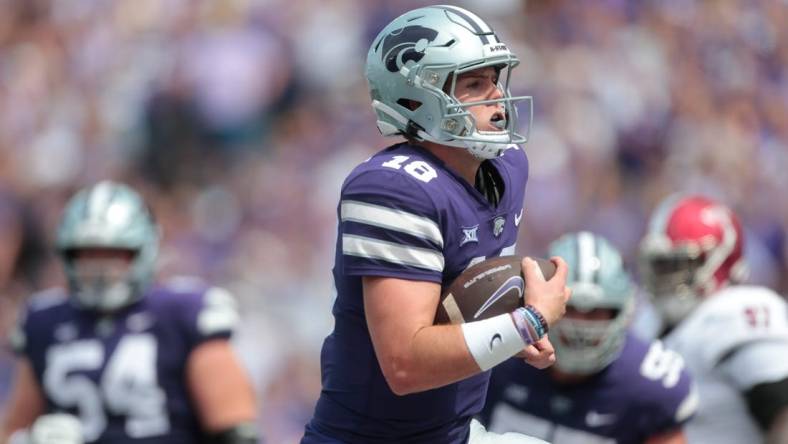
(598,280)
(412,69)
(107,217)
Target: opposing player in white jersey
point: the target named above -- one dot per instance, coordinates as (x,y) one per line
(734,337)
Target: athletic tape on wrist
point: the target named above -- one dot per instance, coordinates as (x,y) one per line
(492,341)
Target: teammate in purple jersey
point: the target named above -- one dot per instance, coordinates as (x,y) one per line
(607,386)
(134,362)
(411,218)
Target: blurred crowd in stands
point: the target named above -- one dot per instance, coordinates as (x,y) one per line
(238,119)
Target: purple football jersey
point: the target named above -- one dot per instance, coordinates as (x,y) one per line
(645,392)
(404,214)
(123,374)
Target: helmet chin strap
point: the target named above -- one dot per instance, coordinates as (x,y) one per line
(484,150)
(480,149)
(105,298)
(490,147)
(487,149)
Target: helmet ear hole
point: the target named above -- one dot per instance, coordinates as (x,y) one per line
(409,104)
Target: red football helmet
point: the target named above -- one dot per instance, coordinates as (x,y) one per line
(694,246)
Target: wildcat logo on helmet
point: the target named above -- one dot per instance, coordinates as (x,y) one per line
(406,44)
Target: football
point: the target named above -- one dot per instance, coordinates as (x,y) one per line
(489,288)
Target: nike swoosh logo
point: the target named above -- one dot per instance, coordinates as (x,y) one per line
(492,341)
(513,283)
(517,218)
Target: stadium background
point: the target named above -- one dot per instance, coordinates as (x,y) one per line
(238,119)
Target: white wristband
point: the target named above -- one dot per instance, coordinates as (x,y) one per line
(492,341)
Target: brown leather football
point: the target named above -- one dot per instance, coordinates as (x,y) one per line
(489,288)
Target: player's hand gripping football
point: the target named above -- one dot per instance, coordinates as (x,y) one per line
(549,297)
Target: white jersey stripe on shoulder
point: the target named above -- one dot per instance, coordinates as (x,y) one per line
(391,219)
(361,246)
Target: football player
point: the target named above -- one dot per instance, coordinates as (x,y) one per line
(734,337)
(607,385)
(413,217)
(135,362)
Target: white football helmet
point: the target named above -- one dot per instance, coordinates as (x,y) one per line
(412,68)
